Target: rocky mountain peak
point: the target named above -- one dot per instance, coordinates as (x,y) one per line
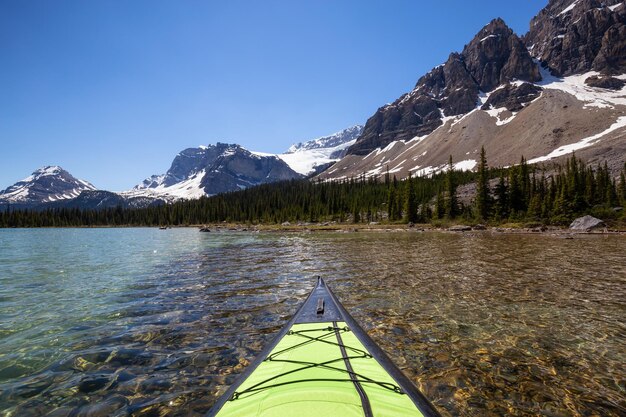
(213,169)
(494,57)
(497,55)
(577,36)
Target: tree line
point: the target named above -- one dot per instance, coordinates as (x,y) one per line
(522,193)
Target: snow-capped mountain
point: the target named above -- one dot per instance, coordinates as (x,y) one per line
(306,157)
(194,173)
(560,88)
(45,185)
(213,169)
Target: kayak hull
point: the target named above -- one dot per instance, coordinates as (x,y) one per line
(322,363)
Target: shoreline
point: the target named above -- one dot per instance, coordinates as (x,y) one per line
(400,228)
(332,227)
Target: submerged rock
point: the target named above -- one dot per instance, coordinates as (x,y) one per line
(91,384)
(586,224)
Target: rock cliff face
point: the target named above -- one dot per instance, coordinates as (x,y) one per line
(236,168)
(495,56)
(512,97)
(577,36)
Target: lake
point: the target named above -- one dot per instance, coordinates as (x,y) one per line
(99,322)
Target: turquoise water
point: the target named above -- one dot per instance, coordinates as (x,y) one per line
(159,322)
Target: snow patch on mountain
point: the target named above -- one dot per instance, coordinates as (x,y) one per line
(583,143)
(304,157)
(569,8)
(330,141)
(575,85)
(304,161)
(187,189)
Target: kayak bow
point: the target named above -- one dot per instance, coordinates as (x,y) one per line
(322,363)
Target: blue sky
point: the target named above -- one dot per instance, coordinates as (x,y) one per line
(113,90)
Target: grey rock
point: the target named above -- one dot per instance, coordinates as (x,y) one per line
(460,228)
(587,223)
(609,83)
(92,383)
(512,97)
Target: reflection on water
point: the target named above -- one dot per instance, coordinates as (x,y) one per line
(149,322)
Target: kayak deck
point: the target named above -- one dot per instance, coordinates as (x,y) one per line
(322,364)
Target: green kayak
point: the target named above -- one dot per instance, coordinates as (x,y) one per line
(322,364)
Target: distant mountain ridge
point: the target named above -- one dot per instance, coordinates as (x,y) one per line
(194,173)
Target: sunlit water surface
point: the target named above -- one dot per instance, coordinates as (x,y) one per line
(116,322)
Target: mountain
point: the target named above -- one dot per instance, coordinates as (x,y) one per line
(195,172)
(307,157)
(557,89)
(45,185)
(213,169)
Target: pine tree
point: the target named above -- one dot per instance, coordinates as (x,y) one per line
(501,205)
(425,212)
(410,201)
(483,198)
(451,205)
(622,185)
(391,202)
(611,194)
(440,210)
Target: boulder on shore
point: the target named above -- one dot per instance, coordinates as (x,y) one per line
(460,228)
(586,224)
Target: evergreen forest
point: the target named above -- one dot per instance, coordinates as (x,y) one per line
(528,194)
